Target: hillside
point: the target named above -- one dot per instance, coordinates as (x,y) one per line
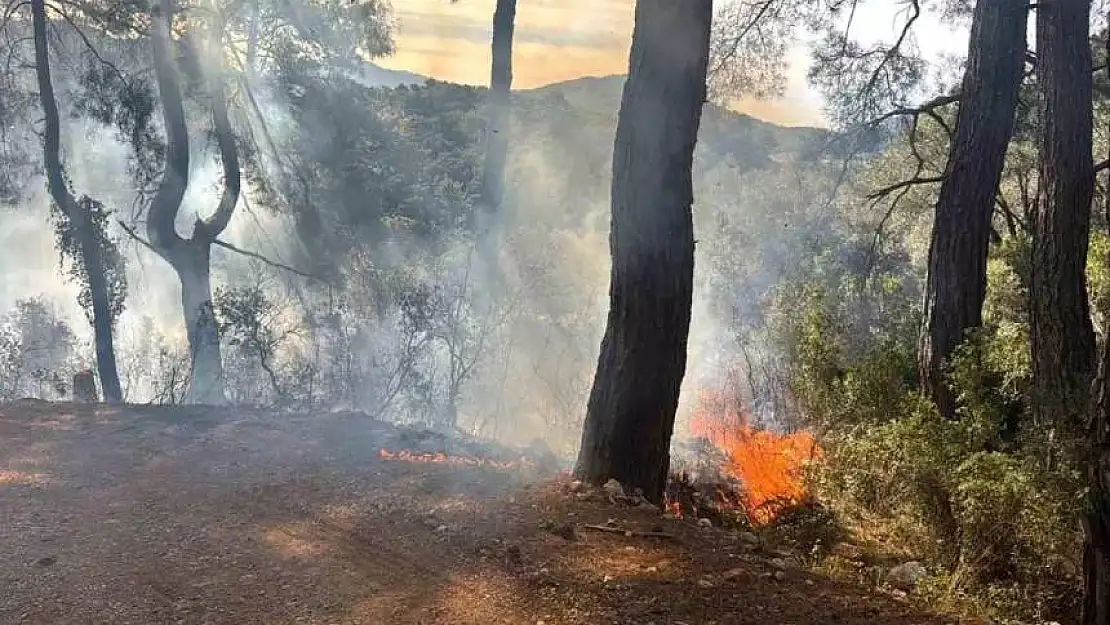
(749,142)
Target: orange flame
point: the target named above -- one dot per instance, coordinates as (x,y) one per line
(769,465)
(439,457)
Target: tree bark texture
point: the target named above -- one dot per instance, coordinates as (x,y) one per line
(1063,338)
(191,257)
(631,410)
(1096,519)
(957,279)
(80,221)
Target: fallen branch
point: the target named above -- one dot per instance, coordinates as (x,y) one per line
(629,533)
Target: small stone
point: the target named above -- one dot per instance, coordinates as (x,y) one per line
(780,575)
(705,583)
(565,531)
(778,563)
(577,486)
(651,569)
(704,522)
(733,573)
(441,529)
(899,595)
(748,537)
(905,576)
(607,579)
(613,488)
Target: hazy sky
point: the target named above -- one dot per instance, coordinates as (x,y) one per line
(563,39)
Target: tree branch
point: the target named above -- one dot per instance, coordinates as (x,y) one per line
(175,177)
(209,229)
(916,180)
(227,246)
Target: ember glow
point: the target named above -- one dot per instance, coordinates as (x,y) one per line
(769,465)
(470,461)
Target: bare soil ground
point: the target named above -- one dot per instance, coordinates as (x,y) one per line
(189,515)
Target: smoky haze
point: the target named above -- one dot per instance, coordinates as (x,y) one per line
(405,325)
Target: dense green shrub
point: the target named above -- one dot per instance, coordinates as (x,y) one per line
(985,499)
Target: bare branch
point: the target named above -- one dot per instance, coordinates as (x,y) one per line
(227,246)
(916,180)
(89,45)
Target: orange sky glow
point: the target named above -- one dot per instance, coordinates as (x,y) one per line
(555,40)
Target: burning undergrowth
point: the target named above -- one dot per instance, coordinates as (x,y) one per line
(457,449)
(731,472)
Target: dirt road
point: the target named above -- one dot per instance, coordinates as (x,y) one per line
(181,515)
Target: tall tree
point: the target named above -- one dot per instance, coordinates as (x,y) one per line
(1063,339)
(1096,520)
(501,81)
(488,218)
(631,410)
(81,225)
(191,257)
(957,279)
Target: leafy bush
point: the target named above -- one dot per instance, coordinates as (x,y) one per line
(987,499)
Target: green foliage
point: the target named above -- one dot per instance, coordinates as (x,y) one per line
(977,496)
(37,352)
(71,246)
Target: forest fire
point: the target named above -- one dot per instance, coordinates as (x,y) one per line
(769,466)
(457,460)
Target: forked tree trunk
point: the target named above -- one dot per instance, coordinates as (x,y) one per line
(191,258)
(1063,338)
(631,411)
(103,315)
(957,280)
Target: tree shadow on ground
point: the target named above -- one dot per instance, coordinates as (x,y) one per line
(220,516)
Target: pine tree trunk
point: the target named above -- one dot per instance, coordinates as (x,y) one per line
(78,217)
(631,410)
(1096,526)
(1063,339)
(194,270)
(957,280)
(488,220)
(501,81)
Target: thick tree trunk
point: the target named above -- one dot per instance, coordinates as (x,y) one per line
(957,280)
(1096,521)
(1063,338)
(631,411)
(194,270)
(103,317)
